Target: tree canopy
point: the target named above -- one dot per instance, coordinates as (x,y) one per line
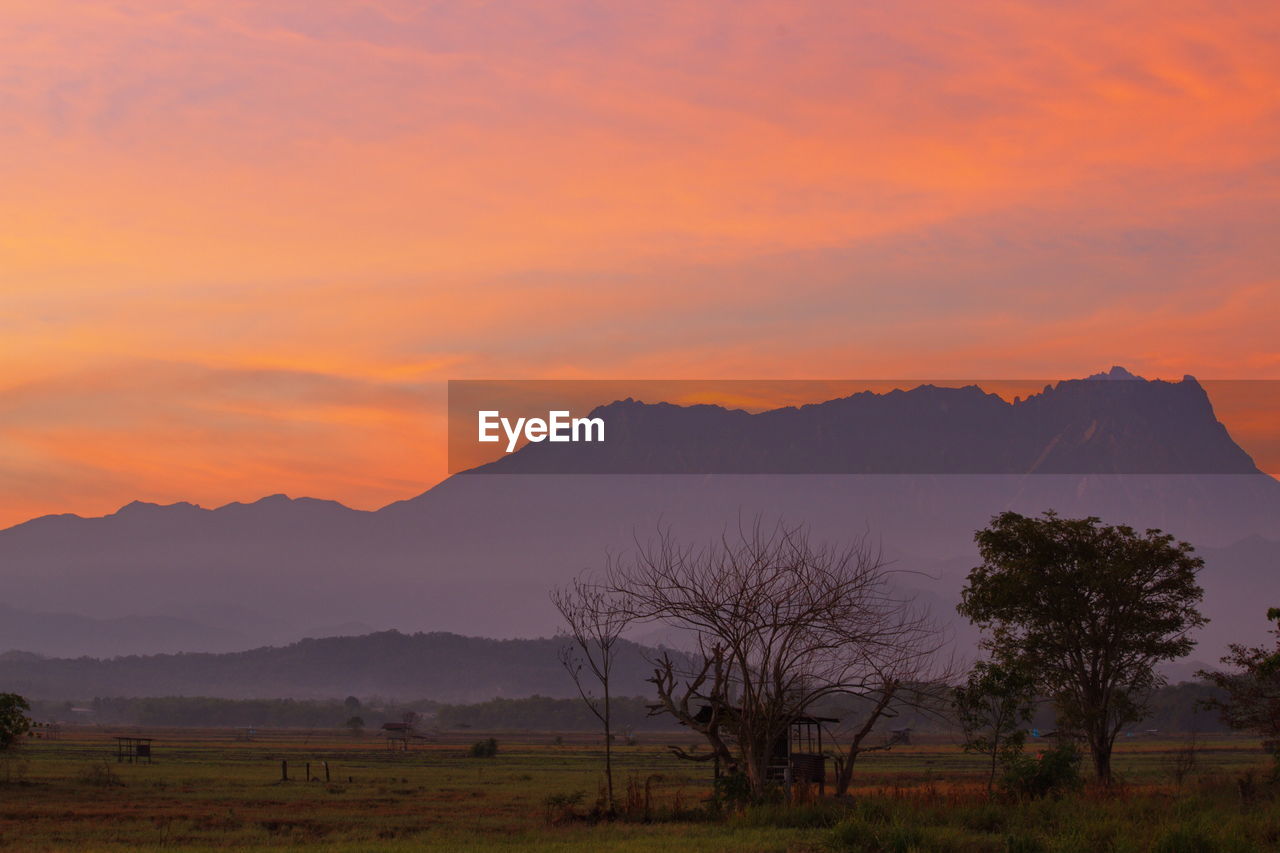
(13,718)
(1088,609)
(1252,689)
(993,707)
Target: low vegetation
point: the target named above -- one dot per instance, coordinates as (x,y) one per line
(486,748)
(209,790)
(530,713)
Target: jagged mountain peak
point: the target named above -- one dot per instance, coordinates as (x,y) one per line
(1117,372)
(1126,425)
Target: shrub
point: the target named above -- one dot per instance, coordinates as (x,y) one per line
(100,775)
(1053,772)
(819,815)
(487,748)
(985,818)
(903,839)
(733,792)
(875,811)
(1185,839)
(854,835)
(1023,844)
(562,807)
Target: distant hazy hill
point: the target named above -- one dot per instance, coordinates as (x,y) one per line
(478,553)
(72,634)
(389,664)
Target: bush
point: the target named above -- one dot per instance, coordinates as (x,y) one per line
(487,748)
(987,817)
(903,839)
(1185,839)
(819,815)
(874,811)
(1053,772)
(1023,844)
(854,835)
(100,775)
(733,792)
(562,807)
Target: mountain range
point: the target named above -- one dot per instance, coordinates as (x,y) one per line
(387,664)
(1083,426)
(918,470)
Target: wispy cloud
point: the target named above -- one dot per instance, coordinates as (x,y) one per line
(392,192)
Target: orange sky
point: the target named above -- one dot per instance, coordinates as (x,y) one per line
(243,244)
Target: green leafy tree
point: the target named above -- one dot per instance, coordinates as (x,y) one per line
(13,718)
(1252,688)
(1088,610)
(993,706)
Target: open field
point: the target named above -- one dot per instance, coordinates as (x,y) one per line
(206,791)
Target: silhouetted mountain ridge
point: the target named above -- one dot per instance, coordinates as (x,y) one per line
(1080,426)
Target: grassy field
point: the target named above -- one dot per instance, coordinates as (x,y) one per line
(207,790)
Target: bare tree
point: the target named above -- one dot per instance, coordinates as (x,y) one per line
(907,673)
(780,622)
(919,687)
(704,687)
(594,622)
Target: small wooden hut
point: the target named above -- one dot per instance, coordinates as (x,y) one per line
(797,755)
(133,750)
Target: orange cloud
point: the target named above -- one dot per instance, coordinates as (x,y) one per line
(387,194)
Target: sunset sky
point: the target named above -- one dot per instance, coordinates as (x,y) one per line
(243,245)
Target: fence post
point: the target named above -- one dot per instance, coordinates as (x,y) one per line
(284,770)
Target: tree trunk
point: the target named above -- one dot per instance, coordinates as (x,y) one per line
(844,771)
(1101,749)
(608,752)
(757,767)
